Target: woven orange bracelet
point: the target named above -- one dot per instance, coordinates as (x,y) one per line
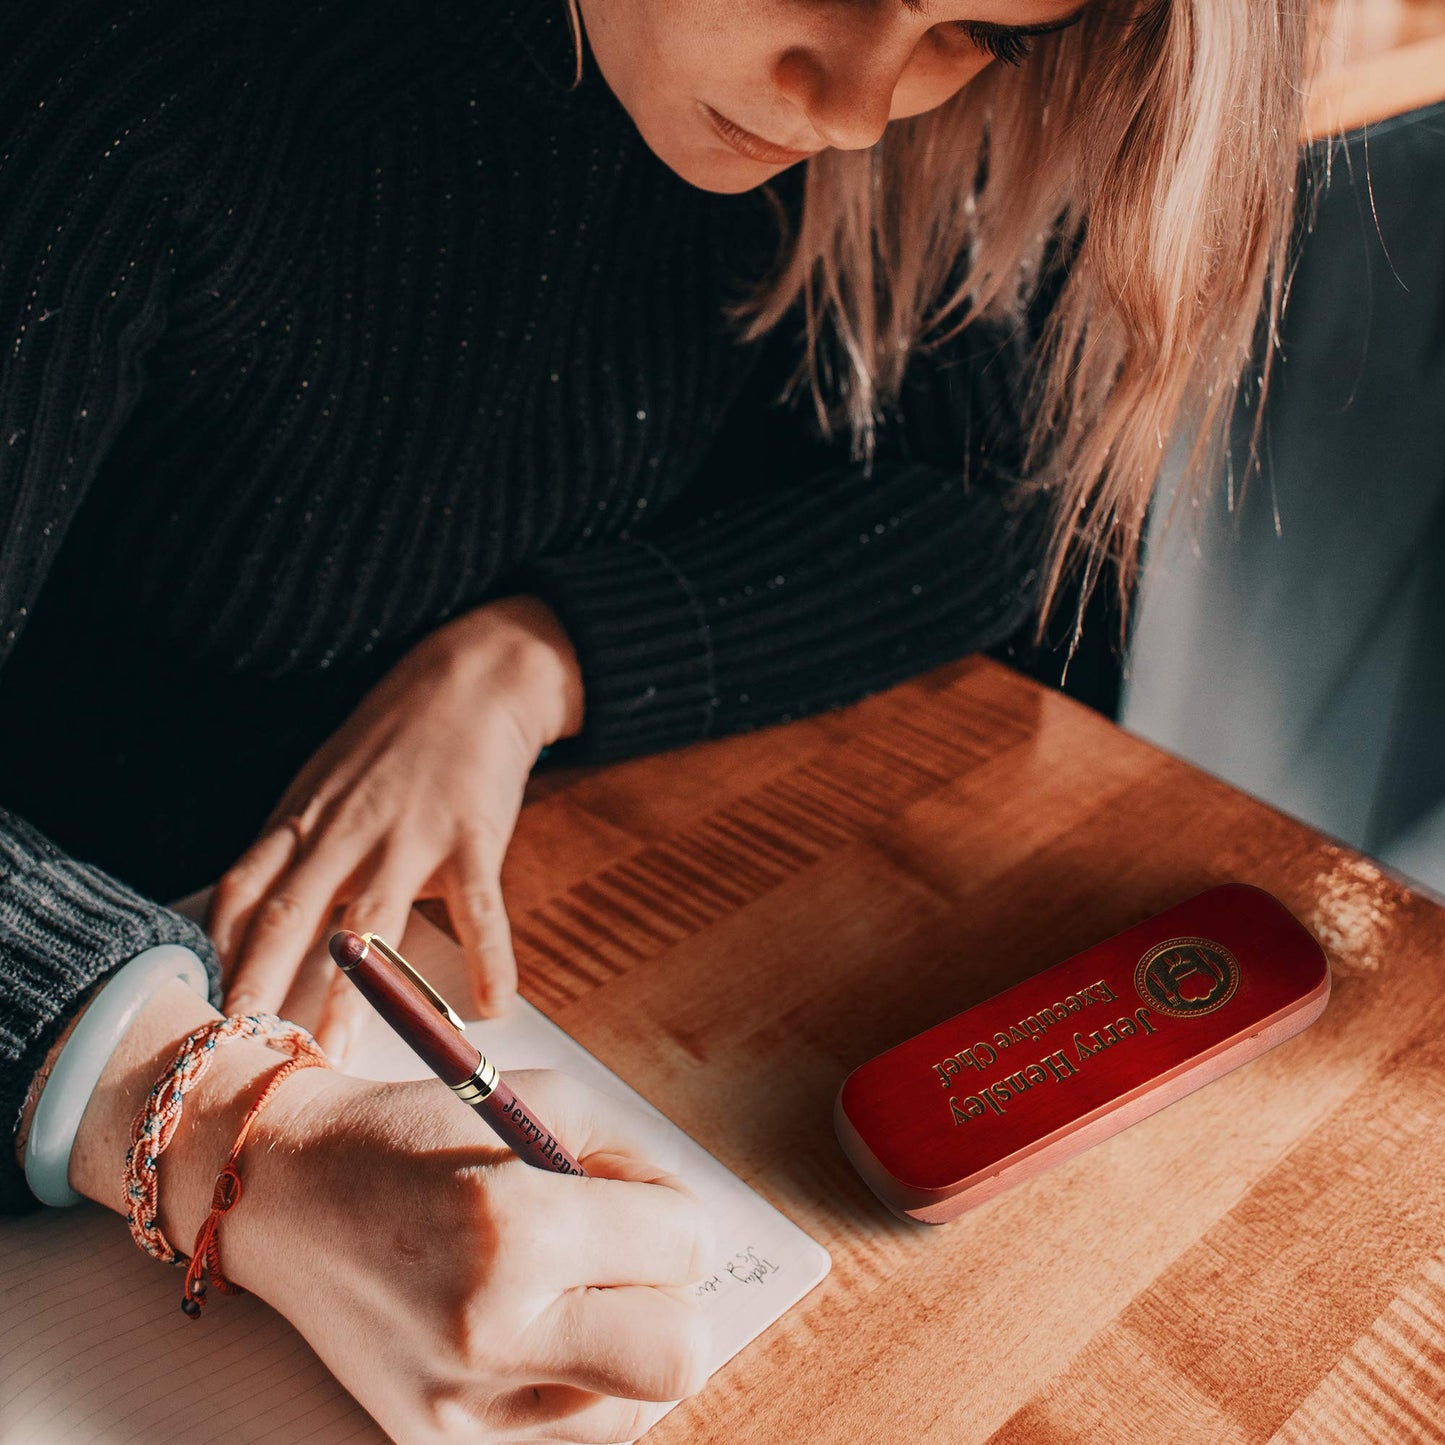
(160,1116)
(206,1255)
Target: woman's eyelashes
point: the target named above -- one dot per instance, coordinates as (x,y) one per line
(1004,46)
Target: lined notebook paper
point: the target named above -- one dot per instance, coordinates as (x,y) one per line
(93,1347)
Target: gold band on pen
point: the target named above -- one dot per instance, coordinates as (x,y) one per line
(478,1085)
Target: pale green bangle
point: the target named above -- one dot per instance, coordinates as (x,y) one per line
(81,1062)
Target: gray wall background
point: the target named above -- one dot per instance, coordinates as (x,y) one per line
(1296,644)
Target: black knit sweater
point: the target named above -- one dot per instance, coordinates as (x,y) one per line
(323,322)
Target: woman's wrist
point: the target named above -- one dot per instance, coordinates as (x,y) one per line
(542,666)
(62,1089)
(209,1121)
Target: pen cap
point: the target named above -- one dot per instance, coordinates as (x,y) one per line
(1071,1056)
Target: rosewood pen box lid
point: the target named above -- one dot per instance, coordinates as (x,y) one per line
(1068,1057)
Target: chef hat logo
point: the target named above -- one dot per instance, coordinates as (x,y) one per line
(1187,977)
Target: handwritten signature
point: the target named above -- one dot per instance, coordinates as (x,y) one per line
(747,1266)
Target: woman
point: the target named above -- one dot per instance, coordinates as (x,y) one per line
(387,398)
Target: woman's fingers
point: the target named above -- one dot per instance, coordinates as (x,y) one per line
(472,890)
(610,1359)
(602,1422)
(554,1414)
(600,1231)
(286,922)
(614,1140)
(610,1232)
(381,905)
(633,1343)
(242,887)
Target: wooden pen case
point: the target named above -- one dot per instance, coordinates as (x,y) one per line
(1073,1055)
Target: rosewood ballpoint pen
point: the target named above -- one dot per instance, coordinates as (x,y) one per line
(431,1029)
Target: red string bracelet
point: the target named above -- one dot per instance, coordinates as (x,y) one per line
(206,1255)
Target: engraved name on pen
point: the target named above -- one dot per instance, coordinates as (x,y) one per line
(551,1149)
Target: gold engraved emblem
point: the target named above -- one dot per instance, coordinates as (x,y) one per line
(1187,977)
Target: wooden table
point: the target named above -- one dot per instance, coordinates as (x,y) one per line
(733,928)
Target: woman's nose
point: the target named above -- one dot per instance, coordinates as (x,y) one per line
(845,90)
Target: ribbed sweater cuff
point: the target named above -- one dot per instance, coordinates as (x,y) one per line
(642,641)
(63,926)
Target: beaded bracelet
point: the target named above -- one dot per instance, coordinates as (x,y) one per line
(156,1123)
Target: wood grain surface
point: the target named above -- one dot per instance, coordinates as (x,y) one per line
(734,927)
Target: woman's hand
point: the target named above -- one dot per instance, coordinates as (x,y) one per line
(457,1293)
(415,797)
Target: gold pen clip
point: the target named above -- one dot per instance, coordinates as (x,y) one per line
(393,957)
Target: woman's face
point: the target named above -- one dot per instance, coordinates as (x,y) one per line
(730,92)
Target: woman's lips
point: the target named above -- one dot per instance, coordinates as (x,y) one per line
(754,147)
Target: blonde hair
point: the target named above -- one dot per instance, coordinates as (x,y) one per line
(1156,142)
